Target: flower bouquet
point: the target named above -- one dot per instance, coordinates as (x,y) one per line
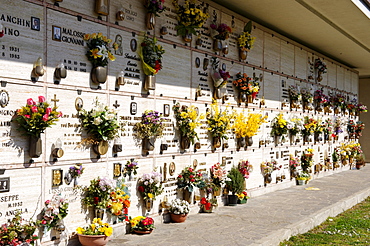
(307,99)
(307,160)
(149,128)
(99,55)
(190,17)
(217,176)
(76,171)
(223,33)
(321,68)
(294,163)
(245,168)
(361,108)
(33,119)
(154,8)
(309,126)
(294,96)
(245,127)
(339,102)
(97,193)
(360,126)
(187,120)
(189,178)
(54,211)
(320,99)
(245,41)
(151,58)
(243,197)
(142,225)
(219,122)
(18,231)
(279,127)
(96,232)
(130,168)
(219,77)
(248,87)
(150,185)
(119,201)
(179,210)
(294,127)
(207,204)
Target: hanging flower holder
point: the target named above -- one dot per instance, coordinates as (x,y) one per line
(249,141)
(148,204)
(35,146)
(148,143)
(188,37)
(149,82)
(99,213)
(184,142)
(243,96)
(243,54)
(240,143)
(216,142)
(101,148)
(150,21)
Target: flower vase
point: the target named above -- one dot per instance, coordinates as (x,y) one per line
(75,182)
(240,142)
(293,103)
(35,146)
(187,37)
(217,192)
(319,77)
(93,240)
(267,178)
(148,204)
(292,139)
(277,139)
(148,143)
(99,74)
(243,54)
(217,44)
(150,21)
(232,200)
(99,213)
(242,96)
(101,148)
(217,93)
(249,141)
(184,142)
(178,218)
(216,142)
(149,82)
(250,99)
(188,196)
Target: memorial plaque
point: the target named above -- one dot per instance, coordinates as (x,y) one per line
(347,80)
(340,77)
(272,52)
(287,57)
(256,55)
(332,74)
(300,63)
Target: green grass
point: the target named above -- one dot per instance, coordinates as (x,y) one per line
(351,227)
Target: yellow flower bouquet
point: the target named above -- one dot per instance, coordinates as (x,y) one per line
(247,126)
(279,126)
(219,121)
(99,52)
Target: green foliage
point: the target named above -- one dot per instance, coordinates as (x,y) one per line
(248,27)
(97,193)
(235,184)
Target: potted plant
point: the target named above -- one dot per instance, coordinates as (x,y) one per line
(102,125)
(33,119)
(154,7)
(190,17)
(53,213)
(187,180)
(95,234)
(219,77)
(279,127)
(302,178)
(245,41)
(207,204)
(18,231)
(218,123)
(96,195)
(248,87)
(243,197)
(217,177)
(187,120)
(99,55)
(130,168)
(179,210)
(360,161)
(235,184)
(151,58)
(142,225)
(149,187)
(149,128)
(223,33)
(119,201)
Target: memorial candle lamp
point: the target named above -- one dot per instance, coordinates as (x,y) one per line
(58,152)
(121,78)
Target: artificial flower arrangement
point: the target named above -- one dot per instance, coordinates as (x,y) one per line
(219,122)
(247,126)
(55,210)
(267,167)
(100,122)
(151,125)
(337,127)
(279,126)
(339,101)
(307,98)
(218,75)
(130,168)
(119,201)
(307,159)
(151,55)
(243,197)
(187,120)
(190,178)
(328,128)
(294,162)
(218,174)
(246,84)
(351,125)
(98,52)
(190,17)
(98,192)
(320,99)
(223,31)
(150,186)
(245,39)
(309,126)
(360,126)
(294,96)
(97,227)
(178,206)
(142,223)
(18,231)
(207,204)
(351,106)
(35,117)
(245,168)
(319,127)
(294,125)
(320,66)
(361,108)
(154,6)
(76,171)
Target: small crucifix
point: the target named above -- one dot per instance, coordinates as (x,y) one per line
(55,100)
(116,105)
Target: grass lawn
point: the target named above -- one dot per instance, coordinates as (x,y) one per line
(351,227)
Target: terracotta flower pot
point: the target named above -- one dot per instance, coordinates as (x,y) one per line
(178,218)
(143,232)
(93,240)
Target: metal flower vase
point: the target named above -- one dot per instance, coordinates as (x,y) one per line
(99,74)
(149,82)
(35,146)
(148,143)
(184,142)
(150,21)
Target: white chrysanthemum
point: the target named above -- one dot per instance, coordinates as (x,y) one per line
(97,121)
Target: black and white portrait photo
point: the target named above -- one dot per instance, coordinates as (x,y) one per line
(57,33)
(35,23)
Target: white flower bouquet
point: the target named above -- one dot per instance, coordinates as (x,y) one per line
(179,206)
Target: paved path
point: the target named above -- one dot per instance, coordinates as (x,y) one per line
(264,220)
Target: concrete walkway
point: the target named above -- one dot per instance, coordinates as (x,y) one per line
(264,220)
